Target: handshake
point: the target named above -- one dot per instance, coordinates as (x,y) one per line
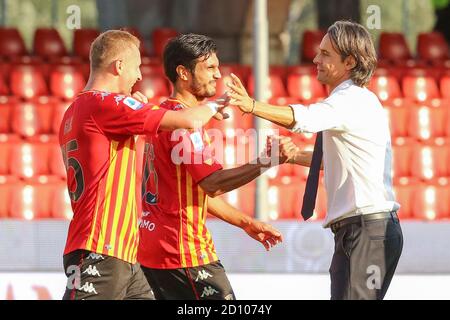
(279,150)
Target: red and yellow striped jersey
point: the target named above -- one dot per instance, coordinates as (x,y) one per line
(172,229)
(98,145)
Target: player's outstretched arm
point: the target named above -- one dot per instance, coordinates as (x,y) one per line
(262,232)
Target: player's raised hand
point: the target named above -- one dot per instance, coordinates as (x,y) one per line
(139,96)
(264,233)
(239,96)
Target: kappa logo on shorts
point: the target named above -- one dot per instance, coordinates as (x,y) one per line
(88,287)
(95,256)
(208,291)
(203,275)
(92,271)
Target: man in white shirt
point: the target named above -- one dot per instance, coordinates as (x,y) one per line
(354,135)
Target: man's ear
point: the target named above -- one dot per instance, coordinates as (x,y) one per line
(350,62)
(118,67)
(182,72)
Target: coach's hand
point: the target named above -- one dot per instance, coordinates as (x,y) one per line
(264,233)
(223,101)
(239,96)
(139,96)
(280,149)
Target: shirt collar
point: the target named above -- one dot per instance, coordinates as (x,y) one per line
(343,85)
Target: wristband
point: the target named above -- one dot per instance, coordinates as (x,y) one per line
(214,106)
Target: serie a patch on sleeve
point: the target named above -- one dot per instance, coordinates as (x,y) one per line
(197,141)
(133,103)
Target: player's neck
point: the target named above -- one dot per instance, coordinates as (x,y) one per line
(101,83)
(186,97)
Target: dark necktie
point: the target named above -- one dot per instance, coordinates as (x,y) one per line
(312,183)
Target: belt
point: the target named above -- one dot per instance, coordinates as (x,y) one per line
(365,217)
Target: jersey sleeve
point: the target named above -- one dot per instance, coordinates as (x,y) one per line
(194,151)
(123,115)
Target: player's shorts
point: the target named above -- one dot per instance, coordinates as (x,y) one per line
(94,276)
(207,282)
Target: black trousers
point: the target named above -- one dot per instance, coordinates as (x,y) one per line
(207,282)
(92,276)
(365,256)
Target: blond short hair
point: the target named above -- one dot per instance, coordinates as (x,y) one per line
(107,46)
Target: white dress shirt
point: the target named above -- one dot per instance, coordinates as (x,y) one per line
(357,153)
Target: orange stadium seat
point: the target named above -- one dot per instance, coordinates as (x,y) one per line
(242,198)
(427,122)
(7,105)
(420,88)
(82,39)
(56,163)
(31,118)
(33,200)
(386,88)
(310,44)
(445,86)
(160,37)
(66,82)
(7,143)
(398,116)
(432,47)
(393,47)
(403,190)
(284,198)
(27,81)
(29,159)
(430,160)
(11,44)
(58,114)
(305,87)
(275,89)
(48,43)
(4,89)
(6,193)
(61,207)
(402,156)
(152,85)
(430,201)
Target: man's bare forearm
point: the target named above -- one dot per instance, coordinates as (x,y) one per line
(280,115)
(304,158)
(190,118)
(228,213)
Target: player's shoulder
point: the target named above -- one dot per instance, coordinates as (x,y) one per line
(171,104)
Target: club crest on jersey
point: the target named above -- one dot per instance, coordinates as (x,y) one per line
(133,103)
(197,141)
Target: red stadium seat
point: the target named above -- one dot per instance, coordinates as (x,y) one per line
(243,199)
(393,47)
(34,199)
(160,37)
(11,44)
(284,198)
(61,207)
(29,159)
(48,43)
(432,47)
(66,82)
(386,88)
(430,160)
(427,122)
(56,163)
(403,190)
(305,87)
(152,86)
(420,88)
(430,201)
(7,184)
(27,81)
(7,105)
(4,89)
(310,44)
(398,116)
(82,39)
(31,118)
(275,86)
(58,114)
(7,142)
(445,87)
(402,156)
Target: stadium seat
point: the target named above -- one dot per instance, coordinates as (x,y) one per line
(82,39)
(284,198)
(34,199)
(242,198)
(56,163)
(152,85)
(58,114)
(31,118)
(61,207)
(310,44)
(445,87)
(4,89)
(7,142)
(48,43)
(403,190)
(402,149)
(398,116)
(305,87)
(427,122)
(420,88)
(66,82)
(29,159)
(275,88)
(430,160)
(7,184)
(386,88)
(11,44)
(27,81)
(432,47)
(430,201)
(393,47)
(160,37)
(7,105)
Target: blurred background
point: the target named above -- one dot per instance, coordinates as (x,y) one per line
(44,63)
